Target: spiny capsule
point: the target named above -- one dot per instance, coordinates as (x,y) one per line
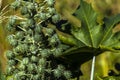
(20,73)
(37,37)
(55,18)
(16,77)
(10,28)
(32,48)
(24,25)
(57,73)
(53,40)
(61,68)
(31,6)
(29,39)
(31,67)
(9,70)
(9,54)
(19,35)
(51,10)
(21,48)
(12,40)
(12,20)
(31,22)
(15,5)
(67,74)
(24,10)
(43,16)
(48,31)
(42,61)
(36,77)
(25,61)
(34,59)
(16,52)
(41,69)
(45,53)
(22,66)
(50,2)
(38,28)
(29,32)
(11,62)
(28,15)
(49,70)
(57,52)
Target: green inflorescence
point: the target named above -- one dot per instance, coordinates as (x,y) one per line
(35,46)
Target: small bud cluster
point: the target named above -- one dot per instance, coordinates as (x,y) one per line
(35,45)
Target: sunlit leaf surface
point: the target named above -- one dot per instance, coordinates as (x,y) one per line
(95,37)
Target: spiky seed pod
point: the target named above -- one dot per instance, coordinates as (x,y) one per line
(42,16)
(19,35)
(24,10)
(29,39)
(42,61)
(21,48)
(57,52)
(37,43)
(15,5)
(16,77)
(55,18)
(9,70)
(29,32)
(16,53)
(12,41)
(10,28)
(51,10)
(33,48)
(41,69)
(48,32)
(20,74)
(37,37)
(12,20)
(53,40)
(24,25)
(25,61)
(49,71)
(9,54)
(22,66)
(57,73)
(48,15)
(45,53)
(61,67)
(67,74)
(34,58)
(38,28)
(31,22)
(36,77)
(11,62)
(31,6)
(31,67)
(50,2)
(28,15)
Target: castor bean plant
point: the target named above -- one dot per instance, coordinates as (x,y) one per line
(44,46)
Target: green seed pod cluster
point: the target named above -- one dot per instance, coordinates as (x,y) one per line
(35,46)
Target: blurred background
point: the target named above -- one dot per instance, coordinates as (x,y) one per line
(105,62)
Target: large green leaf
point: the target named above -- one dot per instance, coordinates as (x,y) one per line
(93,34)
(96,38)
(88,18)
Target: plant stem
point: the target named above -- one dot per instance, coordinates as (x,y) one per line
(92,68)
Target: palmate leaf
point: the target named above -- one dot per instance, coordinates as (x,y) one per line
(96,38)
